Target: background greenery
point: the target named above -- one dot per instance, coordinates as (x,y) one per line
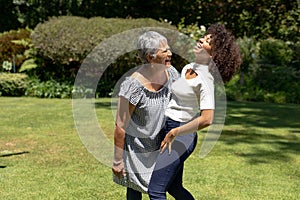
(42,156)
(275,18)
(48,42)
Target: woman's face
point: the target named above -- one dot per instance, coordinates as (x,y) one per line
(163,55)
(205,43)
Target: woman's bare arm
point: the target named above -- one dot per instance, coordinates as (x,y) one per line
(124,112)
(199,123)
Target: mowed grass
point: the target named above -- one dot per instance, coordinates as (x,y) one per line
(43,157)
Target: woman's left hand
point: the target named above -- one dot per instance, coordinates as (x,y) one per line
(168,140)
(118,169)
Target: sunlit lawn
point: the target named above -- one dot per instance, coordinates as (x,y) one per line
(42,156)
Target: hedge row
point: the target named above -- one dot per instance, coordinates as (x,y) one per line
(19,84)
(62,43)
(59,47)
(270,69)
(68,39)
(13,84)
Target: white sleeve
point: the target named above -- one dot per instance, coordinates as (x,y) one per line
(207,97)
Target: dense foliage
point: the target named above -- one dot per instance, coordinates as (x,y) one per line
(49,89)
(59,46)
(12,48)
(270,72)
(13,84)
(64,42)
(268,35)
(261,19)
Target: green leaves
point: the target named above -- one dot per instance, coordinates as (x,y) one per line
(28,65)
(13,84)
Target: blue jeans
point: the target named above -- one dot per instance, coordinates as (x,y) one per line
(168,171)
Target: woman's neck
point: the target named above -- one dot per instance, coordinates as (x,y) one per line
(153,77)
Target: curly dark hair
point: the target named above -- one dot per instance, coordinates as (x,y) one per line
(225,52)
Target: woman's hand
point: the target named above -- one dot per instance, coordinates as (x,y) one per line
(118,169)
(168,140)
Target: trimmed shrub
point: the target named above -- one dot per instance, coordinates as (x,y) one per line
(67,39)
(49,89)
(13,84)
(64,42)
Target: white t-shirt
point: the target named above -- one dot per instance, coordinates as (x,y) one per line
(189,96)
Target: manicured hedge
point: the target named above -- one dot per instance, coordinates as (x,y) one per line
(63,43)
(68,39)
(13,84)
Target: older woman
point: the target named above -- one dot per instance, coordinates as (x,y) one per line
(192,93)
(142,101)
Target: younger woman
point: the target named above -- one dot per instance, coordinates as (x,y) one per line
(194,91)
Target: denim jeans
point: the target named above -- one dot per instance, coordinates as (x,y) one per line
(168,171)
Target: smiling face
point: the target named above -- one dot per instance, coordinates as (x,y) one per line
(162,56)
(205,43)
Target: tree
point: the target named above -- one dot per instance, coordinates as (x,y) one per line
(262,19)
(8,17)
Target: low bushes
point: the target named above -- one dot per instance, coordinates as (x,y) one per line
(13,84)
(19,84)
(49,89)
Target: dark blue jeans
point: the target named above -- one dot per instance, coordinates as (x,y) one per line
(168,171)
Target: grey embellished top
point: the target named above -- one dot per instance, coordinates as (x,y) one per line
(143,134)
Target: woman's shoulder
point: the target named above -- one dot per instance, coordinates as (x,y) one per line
(173,73)
(131,90)
(131,82)
(188,66)
(195,66)
(198,68)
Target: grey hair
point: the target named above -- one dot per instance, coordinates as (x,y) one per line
(148,44)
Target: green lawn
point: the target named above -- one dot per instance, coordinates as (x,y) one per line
(42,156)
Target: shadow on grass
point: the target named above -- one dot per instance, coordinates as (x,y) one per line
(13,154)
(253,117)
(265,146)
(264,115)
(247,114)
(106,104)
